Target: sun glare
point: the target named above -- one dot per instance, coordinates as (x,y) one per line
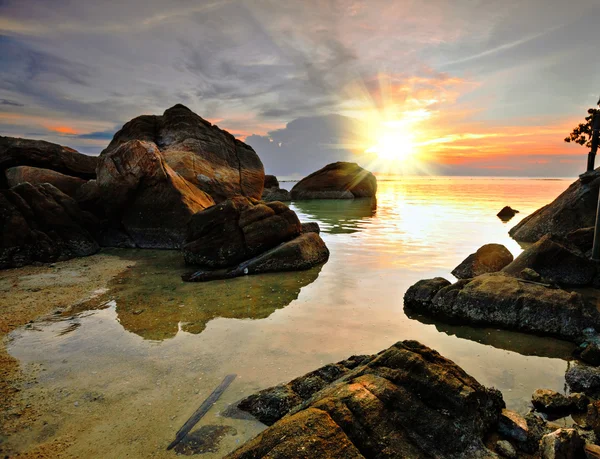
(393,145)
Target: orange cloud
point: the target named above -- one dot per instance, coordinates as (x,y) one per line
(63,130)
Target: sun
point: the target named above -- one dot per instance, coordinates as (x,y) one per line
(393,145)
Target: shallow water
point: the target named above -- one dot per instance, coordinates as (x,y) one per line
(125,373)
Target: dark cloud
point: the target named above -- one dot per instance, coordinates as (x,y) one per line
(100,135)
(11,103)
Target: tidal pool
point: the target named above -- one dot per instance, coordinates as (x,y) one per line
(122,374)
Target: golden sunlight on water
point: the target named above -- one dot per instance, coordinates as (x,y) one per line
(123,378)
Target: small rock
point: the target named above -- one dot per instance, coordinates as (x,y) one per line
(561,444)
(583,378)
(592,419)
(579,401)
(507,213)
(549,401)
(530,275)
(513,425)
(489,258)
(505,449)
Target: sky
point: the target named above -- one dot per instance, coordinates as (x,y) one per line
(462,87)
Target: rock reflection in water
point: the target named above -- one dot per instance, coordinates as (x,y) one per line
(522,343)
(206,439)
(153,302)
(338,216)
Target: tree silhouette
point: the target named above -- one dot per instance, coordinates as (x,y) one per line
(582,134)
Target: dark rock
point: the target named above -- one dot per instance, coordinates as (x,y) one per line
(303,252)
(489,258)
(339,180)
(202,154)
(408,401)
(36,176)
(579,401)
(500,300)
(591,354)
(582,238)
(514,426)
(505,449)
(530,275)
(562,444)
(555,261)
(37,153)
(237,230)
(592,420)
(572,210)
(144,198)
(42,224)
(276,194)
(549,401)
(420,295)
(507,213)
(311,227)
(583,378)
(271,181)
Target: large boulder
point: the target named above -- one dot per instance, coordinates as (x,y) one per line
(236,230)
(204,155)
(575,208)
(271,182)
(144,198)
(36,176)
(42,224)
(489,258)
(339,180)
(556,261)
(38,153)
(500,300)
(407,401)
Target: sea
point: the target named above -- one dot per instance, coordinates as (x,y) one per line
(124,373)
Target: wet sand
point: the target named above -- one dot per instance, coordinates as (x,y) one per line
(35,293)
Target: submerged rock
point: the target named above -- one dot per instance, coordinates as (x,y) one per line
(209,158)
(555,261)
(573,209)
(144,198)
(408,401)
(339,180)
(498,299)
(489,258)
(36,176)
(41,223)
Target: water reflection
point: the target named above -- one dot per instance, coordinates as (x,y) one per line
(152,301)
(338,216)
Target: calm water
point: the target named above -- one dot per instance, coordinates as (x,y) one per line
(122,379)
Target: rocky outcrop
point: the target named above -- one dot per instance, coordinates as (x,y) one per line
(573,209)
(45,155)
(36,176)
(204,155)
(408,401)
(147,204)
(42,224)
(302,252)
(339,180)
(236,230)
(500,300)
(489,258)
(555,260)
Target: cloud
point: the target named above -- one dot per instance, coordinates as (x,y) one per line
(11,103)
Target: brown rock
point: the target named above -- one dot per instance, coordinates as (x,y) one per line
(37,153)
(513,425)
(339,180)
(562,444)
(311,227)
(204,155)
(549,401)
(150,202)
(271,181)
(489,258)
(408,401)
(592,451)
(36,176)
(507,213)
(42,224)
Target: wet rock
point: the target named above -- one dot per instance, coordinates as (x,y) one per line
(591,354)
(276,194)
(408,401)
(420,295)
(339,180)
(489,258)
(271,181)
(592,451)
(501,300)
(507,213)
(592,419)
(582,238)
(572,210)
(579,401)
(42,224)
(583,378)
(505,449)
(303,252)
(311,227)
(144,198)
(562,444)
(237,230)
(205,156)
(38,153)
(549,401)
(512,425)
(36,176)
(555,261)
